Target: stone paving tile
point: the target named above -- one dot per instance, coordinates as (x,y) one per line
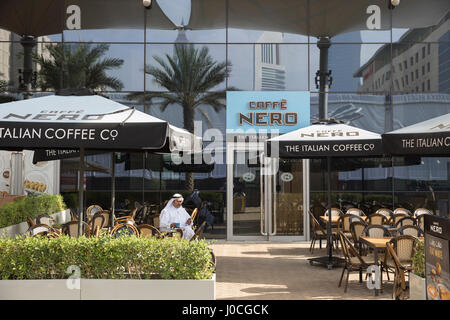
(281,271)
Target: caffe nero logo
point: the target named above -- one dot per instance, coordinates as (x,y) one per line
(48,115)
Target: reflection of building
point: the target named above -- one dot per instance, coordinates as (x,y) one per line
(417,64)
(344,60)
(11,56)
(269,73)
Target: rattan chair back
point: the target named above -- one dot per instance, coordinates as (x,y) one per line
(346,220)
(199,231)
(148,231)
(377,218)
(405,221)
(91,210)
(414,231)
(357,229)
(404,247)
(315,225)
(45,219)
(396,217)
(334,212)
(97,221)
(421,211)
(402,210)
(124,229)
(376,231)
(355,211)
(71,229)
(385,212)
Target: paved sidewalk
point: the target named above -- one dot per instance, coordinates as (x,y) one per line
(281,271)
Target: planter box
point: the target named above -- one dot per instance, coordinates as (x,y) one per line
(18,229)
(417,288)
(106,289)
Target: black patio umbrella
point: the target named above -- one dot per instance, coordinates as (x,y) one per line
(427,138)
(34,18)
(87,122)
(326,140)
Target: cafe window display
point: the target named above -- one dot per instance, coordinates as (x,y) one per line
(371,87)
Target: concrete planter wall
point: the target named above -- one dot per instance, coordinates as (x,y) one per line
(417,288)
(106,289)
(17,229)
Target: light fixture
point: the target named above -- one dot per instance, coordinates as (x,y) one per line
(395,2)
(147,3)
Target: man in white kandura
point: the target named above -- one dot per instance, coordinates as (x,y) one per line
(174,214)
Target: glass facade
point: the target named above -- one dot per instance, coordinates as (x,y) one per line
(389,70)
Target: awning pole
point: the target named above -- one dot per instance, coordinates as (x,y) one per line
(113,189)
(80,193)
(323,78)
(330,235)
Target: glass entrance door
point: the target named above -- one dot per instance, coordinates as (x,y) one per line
(265,197)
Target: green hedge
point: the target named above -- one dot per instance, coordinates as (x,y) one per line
(17,211)
(127,257)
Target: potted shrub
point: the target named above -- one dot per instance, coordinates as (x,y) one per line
(105,268)
(417,288)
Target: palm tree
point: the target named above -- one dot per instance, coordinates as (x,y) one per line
(80,66)
(189,76)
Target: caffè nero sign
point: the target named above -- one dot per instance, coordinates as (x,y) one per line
(266,113)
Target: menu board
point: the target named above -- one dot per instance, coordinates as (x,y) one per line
(437,261)
(39,178)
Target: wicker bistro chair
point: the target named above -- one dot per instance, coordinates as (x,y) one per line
(406,221)
(125,219)
(91,210)
(124,229)
(377,218)
(421,211)
(318,233)
(404,247)
(414,231)
(334,212)
(148,231)
(108,217)
(385,212)
(38,228)
(45,219)
(357,230)
(353,261)
(400,291)
(376,231)
(71,229)
(199,232)
(344,223)
(355,211)
(97,222)
(396,217)
(402,210)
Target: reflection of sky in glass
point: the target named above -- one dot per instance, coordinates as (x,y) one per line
(176,10)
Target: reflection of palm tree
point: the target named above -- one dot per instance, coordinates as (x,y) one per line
(188,76)
(82,66)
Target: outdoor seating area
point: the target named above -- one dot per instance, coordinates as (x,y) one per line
(128,222)
(386,238)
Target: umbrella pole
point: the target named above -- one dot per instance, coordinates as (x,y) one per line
(329,232)
(113,189)
(80,193)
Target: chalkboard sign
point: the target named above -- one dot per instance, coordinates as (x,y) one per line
(437,261)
